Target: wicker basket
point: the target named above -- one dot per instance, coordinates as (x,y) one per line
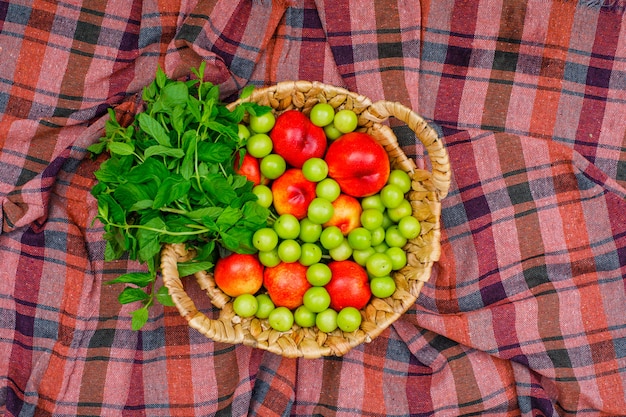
(428,188)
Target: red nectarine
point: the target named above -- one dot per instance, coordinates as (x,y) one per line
(297,139)
(346,214)
(286,284)
(293,193)
(238,274)
(358,163)
(249,167)
(348,286)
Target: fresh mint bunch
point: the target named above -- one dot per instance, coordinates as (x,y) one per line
(170,178)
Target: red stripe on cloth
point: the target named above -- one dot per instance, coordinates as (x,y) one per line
(598,81)
(338,25)
(21,352)
(554,57)
(458,59)
(399,54)
(310,54)
(133,395)
(275,385)
(178,369)
(505,62)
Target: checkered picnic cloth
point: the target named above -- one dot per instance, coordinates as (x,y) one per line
(525,312)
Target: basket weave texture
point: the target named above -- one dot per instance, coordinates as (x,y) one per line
(428,188)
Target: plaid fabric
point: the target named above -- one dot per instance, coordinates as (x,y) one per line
(524,313)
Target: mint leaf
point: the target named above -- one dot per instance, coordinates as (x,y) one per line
(246,91)
(230,241)
(189,268)
(110,171)
(160,150)
(227,130)
(153,128)
(163,297)
(195,108)
(148,238)
(228,218)
(132,294)
(172,188)
(128,194)
(174,94)
(150,169)
(97,148)
(110,210)
(255,214)
(113,251)
(177,118)
(218,188)
(187,166)
(238,239)
(214,152)
(120,148)
(205,212)
(139,318)
(160,78)
(141,205)
(141,279)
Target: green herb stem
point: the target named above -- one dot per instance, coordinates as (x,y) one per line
(174,210)
(126,227)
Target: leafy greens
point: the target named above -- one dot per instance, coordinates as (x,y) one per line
(170,178)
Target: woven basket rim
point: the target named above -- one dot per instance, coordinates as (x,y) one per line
(429,187)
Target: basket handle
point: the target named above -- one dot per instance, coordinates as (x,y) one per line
(437,153)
